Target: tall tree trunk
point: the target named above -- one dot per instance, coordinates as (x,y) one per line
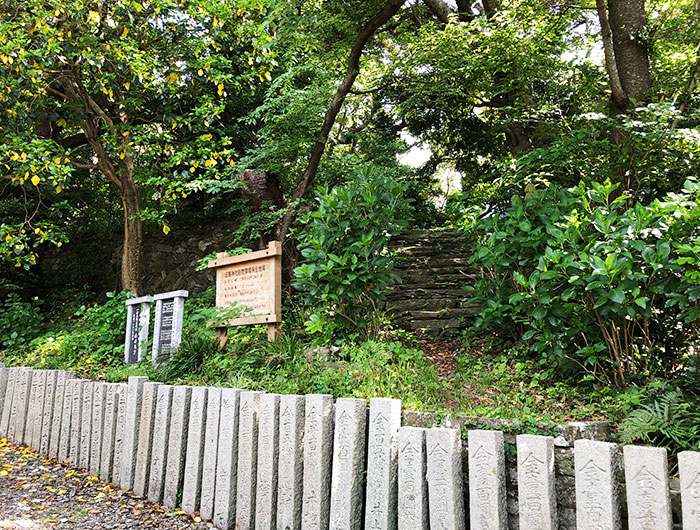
(353,68)
(133,235)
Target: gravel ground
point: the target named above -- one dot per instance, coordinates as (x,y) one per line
(37,493)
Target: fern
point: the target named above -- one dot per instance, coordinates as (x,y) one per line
(670,420)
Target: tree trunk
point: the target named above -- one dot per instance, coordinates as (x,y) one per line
(353,68)
(131,252)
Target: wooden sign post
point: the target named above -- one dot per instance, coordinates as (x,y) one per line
(252,281)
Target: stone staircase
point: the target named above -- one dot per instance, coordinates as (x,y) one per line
(434,268)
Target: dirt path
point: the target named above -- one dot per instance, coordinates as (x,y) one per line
(38,494)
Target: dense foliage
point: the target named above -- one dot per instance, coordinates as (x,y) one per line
(346,268)
(588,279)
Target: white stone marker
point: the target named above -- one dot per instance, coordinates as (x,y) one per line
(143,451)
(689,471)
(444,473)
(121,398)
(20,405)
(76,422)
(536,493)
(159,449)
(224,499)
(291,462)
(138,311)
(12,374)
(66,414)
(132,421)
(211,445)
(597,500)
(382,463)
(648,497)
(268,460)
(59,405)
(47,417)
(99,399)
(487,481)
(86,428)
(348,463)
(413,487)
(318,458)
(177,445)
(108,433)
(35,416)
(167,329)
(247,460)
(192,483)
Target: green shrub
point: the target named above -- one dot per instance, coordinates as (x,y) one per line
(591,281)
(20,321)
(346,268)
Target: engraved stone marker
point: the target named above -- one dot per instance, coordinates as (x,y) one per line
(268,455)
(227,459)
(413,488)
(65,437)
(384,424)
(444,474)
(348,464)
(121,398)
(487,481)
(159,449)
(192,483)
(137,319)
(318,454)
(99,398)
(143,451)
(20,405)
(58,410)
(86,427)
(35,416)
(76,422)
(689,471)
(597,501)
(247,460)
(211,444)
(12,374)
(49,403)
(108,434)
(291,461)
(648,498)
(536,494)
(167,329)
(252,281)
(132,421)
(177,442)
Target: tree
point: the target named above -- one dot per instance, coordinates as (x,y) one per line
(132,90)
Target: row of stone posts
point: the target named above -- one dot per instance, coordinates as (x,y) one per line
(251,460)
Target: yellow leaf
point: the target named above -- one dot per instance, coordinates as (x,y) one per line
(172,77)
(58,189)
(200,72)
(221,88)
(61,122)
(268,76)
(125,33)
(58,245)
(57,160)
(166,229)
(36,180)
(127,85)
(16,265)
(122,155)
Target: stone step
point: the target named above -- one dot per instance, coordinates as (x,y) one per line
(424,292)
(434,325)
(430,304)
(436,263)
(427,278)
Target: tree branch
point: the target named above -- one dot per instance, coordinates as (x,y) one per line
(351,72)
(440,9)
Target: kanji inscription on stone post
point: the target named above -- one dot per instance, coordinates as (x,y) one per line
(253,282)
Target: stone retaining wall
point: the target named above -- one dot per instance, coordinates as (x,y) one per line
(252,460)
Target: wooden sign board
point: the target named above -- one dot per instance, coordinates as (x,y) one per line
(252,281)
